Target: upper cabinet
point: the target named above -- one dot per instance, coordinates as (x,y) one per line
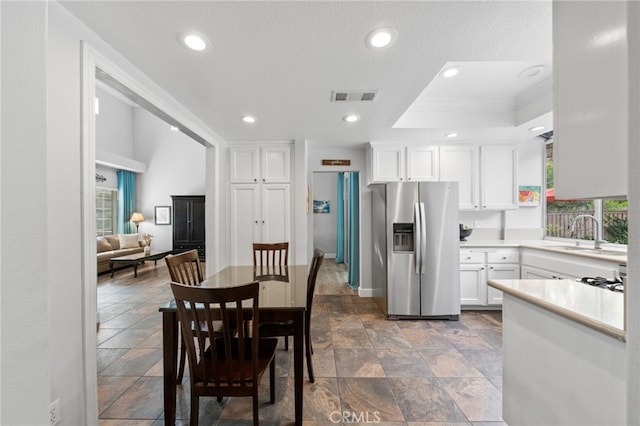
(260,164)
(486,175)
(591,86)
(400,163)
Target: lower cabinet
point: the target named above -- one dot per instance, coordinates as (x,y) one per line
(479,265)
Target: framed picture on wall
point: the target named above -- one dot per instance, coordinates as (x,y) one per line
(320,206)
(163,215)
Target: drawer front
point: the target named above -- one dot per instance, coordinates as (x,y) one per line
(503,257)
(472,257)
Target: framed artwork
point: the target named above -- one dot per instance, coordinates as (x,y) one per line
(320,206)
(163,215)
(529,196)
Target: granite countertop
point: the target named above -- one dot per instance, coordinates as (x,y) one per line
(597,308)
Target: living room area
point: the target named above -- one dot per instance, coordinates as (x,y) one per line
(159,162)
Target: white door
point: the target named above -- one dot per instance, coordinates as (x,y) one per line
(500,272)
(245,165)
(275,213)
(499,177)
(460,164)
(423,163)
(473,284)
(388,163)
(245,222)
(276,163)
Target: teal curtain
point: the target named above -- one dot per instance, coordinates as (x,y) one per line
(126,201)
(340,214)
(354,230)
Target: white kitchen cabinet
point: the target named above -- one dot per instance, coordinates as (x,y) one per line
(260,164)
(540,264)
(401,163)
(459,163)
(478,265)
(498,180)
(259,213)
(486,175)
(473,285)
(590,96)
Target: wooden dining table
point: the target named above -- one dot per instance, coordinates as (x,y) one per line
(282,298)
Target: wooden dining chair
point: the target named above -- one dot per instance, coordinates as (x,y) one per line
(184,268)
(233,362)
(286,329)
(270,254)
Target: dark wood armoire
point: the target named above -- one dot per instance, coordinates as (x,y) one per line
(188,223)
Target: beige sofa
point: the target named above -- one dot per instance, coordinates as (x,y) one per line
(111,246)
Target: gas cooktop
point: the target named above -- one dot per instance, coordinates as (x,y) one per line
(613,284)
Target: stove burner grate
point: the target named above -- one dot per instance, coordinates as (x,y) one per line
(614,284)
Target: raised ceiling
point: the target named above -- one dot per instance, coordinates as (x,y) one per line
(282,61)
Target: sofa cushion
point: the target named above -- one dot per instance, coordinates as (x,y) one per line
(128,241)
(105,256)
(102,245)
(114,240)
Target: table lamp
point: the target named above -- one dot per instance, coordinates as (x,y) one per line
(136,218)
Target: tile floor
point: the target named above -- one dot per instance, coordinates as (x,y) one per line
(368,369)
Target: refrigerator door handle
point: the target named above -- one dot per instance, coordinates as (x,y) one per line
(417,220)
(423,237)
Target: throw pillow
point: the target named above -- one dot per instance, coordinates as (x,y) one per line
(128,241)
(103,245)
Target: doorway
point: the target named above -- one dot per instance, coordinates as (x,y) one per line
(336,223)
(96,68)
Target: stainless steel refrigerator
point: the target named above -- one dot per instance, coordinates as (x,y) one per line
(416,261)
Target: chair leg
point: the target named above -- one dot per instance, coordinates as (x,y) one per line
(272,381)
(286,343)
(256,420)
(183,356)
(309,351)
(195,408)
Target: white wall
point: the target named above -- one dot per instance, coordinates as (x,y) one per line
(176,165)
(114,125)
(43,342)
(325,226)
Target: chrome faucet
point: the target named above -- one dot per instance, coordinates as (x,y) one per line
(597,243)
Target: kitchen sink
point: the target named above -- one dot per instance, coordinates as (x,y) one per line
(590,250)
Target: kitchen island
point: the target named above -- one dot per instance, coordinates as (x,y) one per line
(564,354)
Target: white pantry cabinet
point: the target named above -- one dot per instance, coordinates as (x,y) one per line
(401,163)
(591,87)
(459,163)
(259,198)
(260,164)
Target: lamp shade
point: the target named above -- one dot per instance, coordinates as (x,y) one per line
(137,217)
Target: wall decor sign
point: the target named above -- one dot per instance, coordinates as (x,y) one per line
(336,162)
(529,196)
(163,215)
(321,206)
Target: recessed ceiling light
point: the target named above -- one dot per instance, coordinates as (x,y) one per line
(531,71)
(536,128)
(450,72)
(174,128)
(194,41)
(249,119)
(351,118)
(382,37)
(451,135)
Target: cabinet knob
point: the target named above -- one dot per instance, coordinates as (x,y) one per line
(408,178)
(482,269)
(491,267)
(263,221)
(263,180)
(255,180)
(468,257)
(256,221)
(484,207)
(504,257)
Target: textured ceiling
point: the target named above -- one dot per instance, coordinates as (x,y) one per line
(280,61)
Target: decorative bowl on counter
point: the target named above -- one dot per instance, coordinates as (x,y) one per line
(465,232)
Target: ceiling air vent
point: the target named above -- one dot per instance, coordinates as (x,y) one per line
(354,96)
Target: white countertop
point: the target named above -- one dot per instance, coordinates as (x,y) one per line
(595,307)
(609,254)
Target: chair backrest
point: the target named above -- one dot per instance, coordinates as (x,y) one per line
(316,261)
(185,267)
(230,359)
(270,254)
